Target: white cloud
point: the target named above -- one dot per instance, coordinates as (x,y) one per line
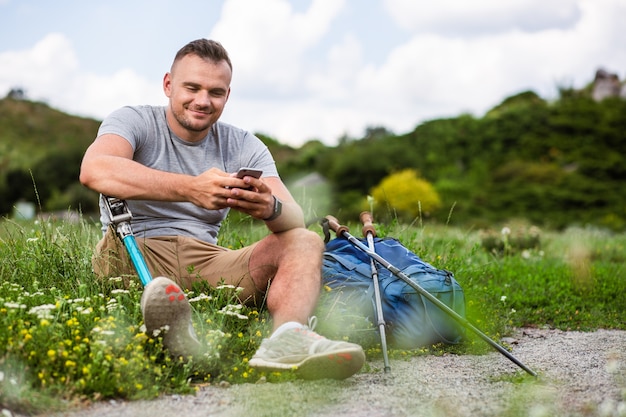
(50,72)
(433,75)
(461,17)
(39,70)
(268,41)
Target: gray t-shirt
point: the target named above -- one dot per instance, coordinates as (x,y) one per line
(225,147)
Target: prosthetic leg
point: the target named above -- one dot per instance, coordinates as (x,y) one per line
(164,305)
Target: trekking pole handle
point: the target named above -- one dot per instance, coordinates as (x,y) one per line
(334,225)
(368,223)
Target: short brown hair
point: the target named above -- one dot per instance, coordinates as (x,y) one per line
(204,48)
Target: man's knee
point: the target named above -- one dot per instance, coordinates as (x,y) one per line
(305,239)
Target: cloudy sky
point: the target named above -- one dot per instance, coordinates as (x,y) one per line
(313,69)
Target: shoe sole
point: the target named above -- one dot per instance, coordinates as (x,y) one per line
(336,365)
(165,304)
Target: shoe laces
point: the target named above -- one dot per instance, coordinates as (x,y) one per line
(312,323)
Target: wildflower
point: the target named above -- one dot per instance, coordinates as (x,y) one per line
(26,334)
(503,298)
(233,310)
(85,311)
(15,306)
(200,298)
(505,231)
(225,286)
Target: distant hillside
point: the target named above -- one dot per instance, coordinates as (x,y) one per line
(30,131)
(46,145)
(554,163)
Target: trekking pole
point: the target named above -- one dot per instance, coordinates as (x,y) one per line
(343,231)
(120,216)
(370,233)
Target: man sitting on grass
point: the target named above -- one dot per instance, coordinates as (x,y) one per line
(176,165)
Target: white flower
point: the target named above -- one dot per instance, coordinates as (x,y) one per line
(225,286)
(200,298)
(83,310)
(503,298)
(15,306)
(43,311)
(505,231)
(233,310)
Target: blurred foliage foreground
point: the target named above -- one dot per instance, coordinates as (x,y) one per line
(66,337)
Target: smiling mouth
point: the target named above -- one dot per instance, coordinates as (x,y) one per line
(200,112)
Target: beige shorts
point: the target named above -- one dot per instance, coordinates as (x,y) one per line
(185,260)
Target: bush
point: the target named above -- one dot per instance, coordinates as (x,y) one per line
(406,195)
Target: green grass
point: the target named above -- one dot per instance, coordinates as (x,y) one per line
(66,337)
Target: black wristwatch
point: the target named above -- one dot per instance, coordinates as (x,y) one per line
(278,208)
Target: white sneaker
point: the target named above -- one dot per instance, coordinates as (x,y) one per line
(309,355)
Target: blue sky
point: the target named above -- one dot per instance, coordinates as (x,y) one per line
(312,69)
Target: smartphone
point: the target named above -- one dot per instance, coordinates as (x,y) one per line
(249,172)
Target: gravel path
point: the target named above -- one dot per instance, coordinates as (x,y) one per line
(580,374)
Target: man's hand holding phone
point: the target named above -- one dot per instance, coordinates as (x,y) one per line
(248,172)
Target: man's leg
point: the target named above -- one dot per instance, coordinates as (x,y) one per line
(292,262)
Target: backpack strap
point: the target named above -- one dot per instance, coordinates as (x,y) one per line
(323,221)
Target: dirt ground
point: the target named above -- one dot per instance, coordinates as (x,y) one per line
(580,374)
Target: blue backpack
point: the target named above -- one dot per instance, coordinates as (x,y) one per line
(411,320)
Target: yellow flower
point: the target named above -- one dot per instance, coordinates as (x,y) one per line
(52,353)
